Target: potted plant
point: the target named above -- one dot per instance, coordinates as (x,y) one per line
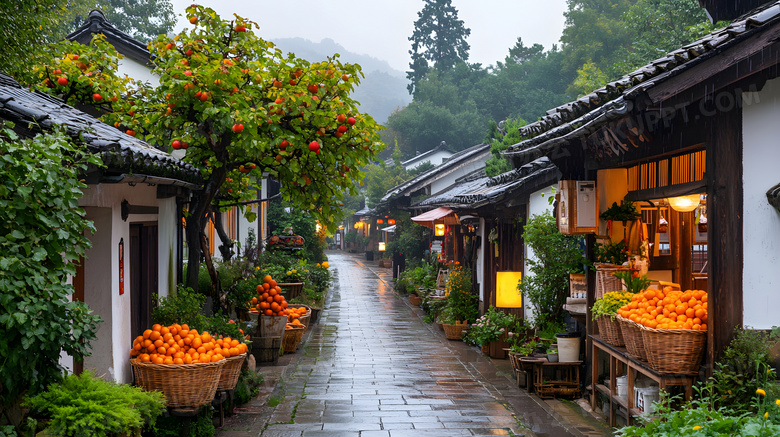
(491,330)
(461,305)
(552,354)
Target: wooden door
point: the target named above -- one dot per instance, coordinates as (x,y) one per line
(143,275)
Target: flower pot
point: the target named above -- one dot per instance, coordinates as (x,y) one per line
(552,358)
(497,348)
(291,290)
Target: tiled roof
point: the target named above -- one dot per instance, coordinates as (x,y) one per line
(422,156)
(582,116)
(421,180)
(477,190)
(33,112)
(97,23)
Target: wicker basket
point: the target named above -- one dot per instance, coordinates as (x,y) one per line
(632,337)
(304,319)
(415,300)
(454,332)
(674,350)
(228,377)
(605,282)
(577,284)
(291,290)
(610,331)
(292,338)
(184,385)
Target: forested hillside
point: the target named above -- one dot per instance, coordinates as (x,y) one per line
(460,103)
(381,92)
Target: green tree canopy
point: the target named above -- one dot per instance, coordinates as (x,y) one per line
(240,107)
(500,139)
(657,27)
(29,26)
(438,40)
(593,32)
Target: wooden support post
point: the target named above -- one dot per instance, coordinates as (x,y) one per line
(725,240)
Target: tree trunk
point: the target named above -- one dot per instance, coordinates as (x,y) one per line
(226,248)
(216,285)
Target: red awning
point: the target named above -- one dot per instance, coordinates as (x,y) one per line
(439,215)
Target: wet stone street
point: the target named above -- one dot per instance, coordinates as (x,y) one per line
(373,367)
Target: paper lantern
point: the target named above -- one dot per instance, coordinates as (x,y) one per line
(507,295)
(438,229)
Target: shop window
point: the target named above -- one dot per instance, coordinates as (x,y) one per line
(699,258)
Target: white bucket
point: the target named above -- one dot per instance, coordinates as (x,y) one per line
(568,348)
(645,398)
(621,383)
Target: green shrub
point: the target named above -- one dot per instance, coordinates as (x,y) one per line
(555,256)
(200,426)
(185,306)
(247,387)
(85,405)
(43,234)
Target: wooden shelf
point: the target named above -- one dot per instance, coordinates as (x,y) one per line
(617,399)
(621,363)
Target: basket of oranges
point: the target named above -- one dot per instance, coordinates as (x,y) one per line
(299,312)
(293,334)
(672,325)
(182,363)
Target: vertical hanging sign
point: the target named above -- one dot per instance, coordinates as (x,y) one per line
(121,266)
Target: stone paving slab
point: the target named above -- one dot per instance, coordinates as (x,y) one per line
(372,367)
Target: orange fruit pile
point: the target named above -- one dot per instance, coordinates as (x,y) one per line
(178,344)
(269,300)
(293,314)
(295,324)
(668,309)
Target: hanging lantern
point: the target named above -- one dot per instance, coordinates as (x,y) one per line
(684,203)
(663,225)
(390,221)
(702,224)
(438,229)
(380,221)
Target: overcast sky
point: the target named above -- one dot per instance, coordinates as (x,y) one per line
(381,28)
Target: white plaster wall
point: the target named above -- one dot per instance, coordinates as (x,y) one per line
(436,159)
(97,290)
(112,348)
(166,246)
(761,222)
(137,70)
(447,180)
(121,307)
(538,203)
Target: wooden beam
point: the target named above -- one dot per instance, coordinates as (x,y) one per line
(756,53)
(668,191)
(725,241)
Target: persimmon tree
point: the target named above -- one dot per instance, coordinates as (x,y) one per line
(240,107)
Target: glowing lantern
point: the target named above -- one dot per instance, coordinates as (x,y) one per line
(684,203)
(438,229)
(507,295)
